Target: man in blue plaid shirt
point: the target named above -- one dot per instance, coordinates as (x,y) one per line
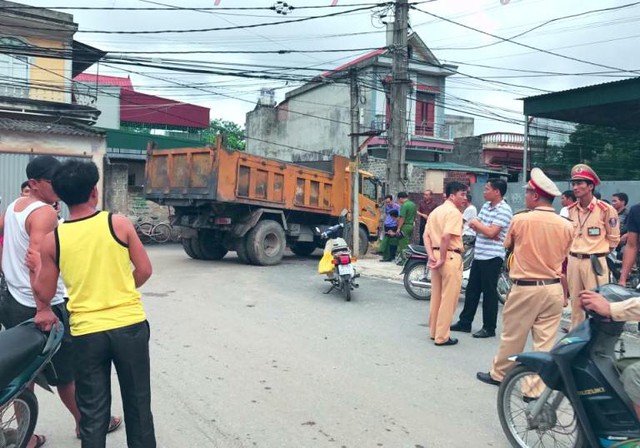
(491,227)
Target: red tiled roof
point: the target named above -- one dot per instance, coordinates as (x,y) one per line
(104,80)
(369,55)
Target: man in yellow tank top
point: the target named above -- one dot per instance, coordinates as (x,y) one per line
(94,252)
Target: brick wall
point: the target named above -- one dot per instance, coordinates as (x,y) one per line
(456,176)
(139,206)
(378,167)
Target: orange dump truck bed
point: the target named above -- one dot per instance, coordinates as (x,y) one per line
(216,174)
(233,201)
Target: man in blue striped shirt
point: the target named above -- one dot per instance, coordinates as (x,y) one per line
(491,227)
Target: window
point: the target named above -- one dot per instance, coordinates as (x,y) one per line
(14,70)
(368,188)
(425,113)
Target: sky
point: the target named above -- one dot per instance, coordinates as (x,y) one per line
(605,43)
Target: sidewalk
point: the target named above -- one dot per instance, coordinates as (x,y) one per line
(371,266)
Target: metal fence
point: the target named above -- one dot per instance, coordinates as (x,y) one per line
(515,192)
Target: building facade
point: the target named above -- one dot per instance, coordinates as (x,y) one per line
(39,113)
(313,121)
(498,151)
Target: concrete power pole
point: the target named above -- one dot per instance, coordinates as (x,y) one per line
(354,165)
(398,100)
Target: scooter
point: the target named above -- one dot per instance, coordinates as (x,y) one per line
(26,352)
(417,276)
(343,276)
(580,401)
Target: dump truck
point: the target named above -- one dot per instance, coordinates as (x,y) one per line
(226,200)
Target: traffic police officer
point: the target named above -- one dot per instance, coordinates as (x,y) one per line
(540,240)
(596,230)
(443,242)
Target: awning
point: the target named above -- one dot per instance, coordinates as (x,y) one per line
(615,104)
(84,56)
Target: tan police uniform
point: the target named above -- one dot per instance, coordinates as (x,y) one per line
(596,230)
(540,240)
(446,281)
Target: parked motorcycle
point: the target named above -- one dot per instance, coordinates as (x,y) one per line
(26,352)
(417,276)
(580,401)
(343,275)
(615,267)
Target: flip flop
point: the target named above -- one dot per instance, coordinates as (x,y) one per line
(40,440)
(114,424)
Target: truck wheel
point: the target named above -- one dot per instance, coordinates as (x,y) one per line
(266,243)
(210,246)
(241,250)
(303,248)
(186,245)
(363,240)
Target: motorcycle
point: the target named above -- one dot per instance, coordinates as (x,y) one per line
(614,263)
(417,276)
(580,401)
(26,352)
(343,275)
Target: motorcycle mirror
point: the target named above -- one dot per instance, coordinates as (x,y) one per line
(343,216)
(596,265)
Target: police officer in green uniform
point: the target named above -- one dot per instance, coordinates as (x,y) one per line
(406,220)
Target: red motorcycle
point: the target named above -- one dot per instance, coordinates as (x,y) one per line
(417,276)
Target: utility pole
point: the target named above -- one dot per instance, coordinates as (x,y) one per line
(353,166)
(525,150)
(398,100)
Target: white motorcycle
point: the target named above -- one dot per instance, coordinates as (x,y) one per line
(343,275)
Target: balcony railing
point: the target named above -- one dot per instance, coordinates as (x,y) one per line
(423,130)
(511,140)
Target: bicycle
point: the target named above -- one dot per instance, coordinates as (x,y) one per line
(150,232)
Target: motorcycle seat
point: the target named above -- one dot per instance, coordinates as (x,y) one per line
(19,347)
(419,250)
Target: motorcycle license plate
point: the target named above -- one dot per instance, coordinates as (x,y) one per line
(344,269)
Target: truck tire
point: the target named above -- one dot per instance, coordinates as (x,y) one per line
(241,250)
(211,247)
(363,240)
(303,248)
(266,243)
(186,245)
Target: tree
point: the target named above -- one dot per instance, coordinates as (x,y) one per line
(233,134)
(613,153)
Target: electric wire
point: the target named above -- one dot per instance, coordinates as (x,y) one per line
(571,58)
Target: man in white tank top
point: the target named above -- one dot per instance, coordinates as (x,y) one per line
(26,222)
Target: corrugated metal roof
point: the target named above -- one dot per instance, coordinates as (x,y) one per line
(14,125)
(615,103)
(450,166)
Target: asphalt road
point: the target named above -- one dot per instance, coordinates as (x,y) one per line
(247,356)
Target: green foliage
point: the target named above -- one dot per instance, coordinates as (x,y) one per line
(233,134)
(613,153)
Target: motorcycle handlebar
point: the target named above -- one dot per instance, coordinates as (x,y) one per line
(331,230)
